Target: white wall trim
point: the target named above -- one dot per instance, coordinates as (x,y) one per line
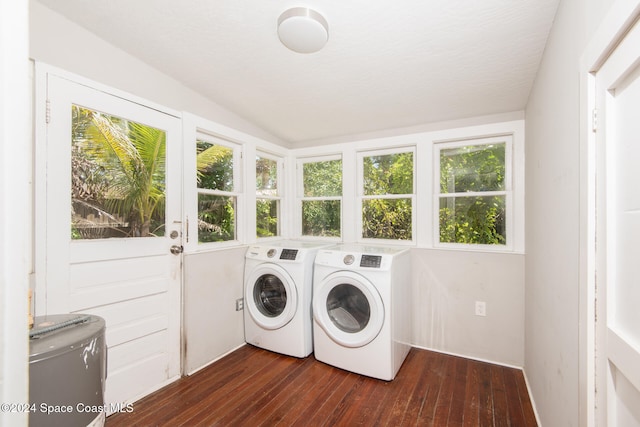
(614,26)
(533,402)
(466,356)
(215,360)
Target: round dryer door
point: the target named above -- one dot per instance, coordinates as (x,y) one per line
(270,296)
(349,309)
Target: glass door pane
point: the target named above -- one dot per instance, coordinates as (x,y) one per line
(117,177)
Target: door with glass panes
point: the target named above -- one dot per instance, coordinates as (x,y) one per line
(109,227)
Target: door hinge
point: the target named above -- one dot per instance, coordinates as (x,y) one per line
(187,229)
(594,120)
(47,110)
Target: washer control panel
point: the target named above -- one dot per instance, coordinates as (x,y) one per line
(372,261)
(356,257)
(289,254)
(275,254)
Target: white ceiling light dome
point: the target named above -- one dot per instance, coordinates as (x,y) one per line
(303,30)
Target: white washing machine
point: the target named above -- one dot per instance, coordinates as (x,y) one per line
(278,278)
(362,308)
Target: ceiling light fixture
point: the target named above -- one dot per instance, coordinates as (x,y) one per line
(303,30)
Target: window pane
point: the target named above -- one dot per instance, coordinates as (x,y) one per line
(267,217)
(388,174)
(322,179)
(215,166)
(476,220)
(266,177)
(216,218)
(321,218)
(386,219)
(472,168)
(117,177)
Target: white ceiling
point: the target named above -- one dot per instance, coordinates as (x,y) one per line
(387,64)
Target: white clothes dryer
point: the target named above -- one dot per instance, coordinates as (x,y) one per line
(278,278)
(362,308)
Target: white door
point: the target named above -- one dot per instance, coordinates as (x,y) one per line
(618,239)
(109,182)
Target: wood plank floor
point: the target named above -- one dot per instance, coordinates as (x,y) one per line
(254,387)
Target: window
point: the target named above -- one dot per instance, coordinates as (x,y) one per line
(268,195)
(473,194)
(218,187)
(117,177)
(321,198)
(387,194)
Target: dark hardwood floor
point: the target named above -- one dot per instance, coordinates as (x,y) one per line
(254,387)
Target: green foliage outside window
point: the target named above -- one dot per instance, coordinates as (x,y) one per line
(214,164)
(267,217)
(267,201)
(266,176)
(321,218)
(216,218)
(216,212)
(388,174)
(117,177)
(472,203)
(322,179)
(322,193)
(388,217)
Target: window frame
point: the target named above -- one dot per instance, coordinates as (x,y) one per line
(301,198)
(280,181)
(360,196)
(508,192)
(192,191)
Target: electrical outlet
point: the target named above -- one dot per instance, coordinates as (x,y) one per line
(240,304)
(481,308)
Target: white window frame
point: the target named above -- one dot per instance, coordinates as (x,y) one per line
(300,162)
(507,192)
(361,196)
(280,191)
(191,190)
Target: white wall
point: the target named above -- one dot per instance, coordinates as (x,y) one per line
(447,284)
(15,168)
(212,327)
(553,184)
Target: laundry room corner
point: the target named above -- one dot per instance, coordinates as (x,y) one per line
(212,326)
(447,285)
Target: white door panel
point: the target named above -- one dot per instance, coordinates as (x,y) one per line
(618,343)
(132,282)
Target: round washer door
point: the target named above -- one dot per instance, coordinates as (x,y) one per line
(270,296)
(348,308)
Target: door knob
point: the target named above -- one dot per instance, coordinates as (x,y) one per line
(176,249)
